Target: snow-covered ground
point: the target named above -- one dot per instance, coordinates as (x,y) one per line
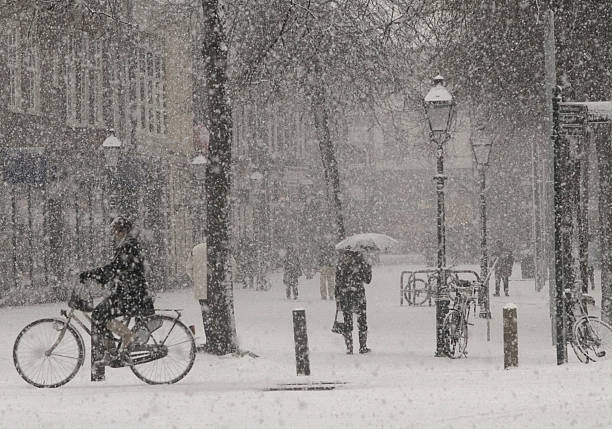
(399,385)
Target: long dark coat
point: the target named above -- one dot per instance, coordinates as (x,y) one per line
(504,263)
(125,276)
(352,271)
(292,266)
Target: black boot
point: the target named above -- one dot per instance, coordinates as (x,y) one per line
(348,340)
(363,339)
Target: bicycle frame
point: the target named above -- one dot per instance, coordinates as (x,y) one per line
(70,315)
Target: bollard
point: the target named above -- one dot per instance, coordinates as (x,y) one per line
(510,337)
(97,371)
(302,361)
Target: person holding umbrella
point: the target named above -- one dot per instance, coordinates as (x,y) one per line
(352,271)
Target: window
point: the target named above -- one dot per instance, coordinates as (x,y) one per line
(23,62)
(84,82)
(149,89)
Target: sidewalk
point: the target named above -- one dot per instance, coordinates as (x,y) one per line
(400,384)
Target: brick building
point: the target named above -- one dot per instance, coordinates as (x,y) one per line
(63,95)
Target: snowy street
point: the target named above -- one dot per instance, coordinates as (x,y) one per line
(400,384)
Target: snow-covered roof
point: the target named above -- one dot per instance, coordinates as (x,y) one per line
(598,111)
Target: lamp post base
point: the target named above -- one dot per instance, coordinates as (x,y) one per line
(442,304)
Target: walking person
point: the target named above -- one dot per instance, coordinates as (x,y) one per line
(198,271)
(292,271)
(247,263)
(327,276)
(352,272)
(503,269)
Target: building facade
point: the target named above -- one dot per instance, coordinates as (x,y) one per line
(63,97)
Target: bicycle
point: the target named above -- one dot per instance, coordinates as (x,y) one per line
(456,321)
(421,290)
(50,352)
(590,337)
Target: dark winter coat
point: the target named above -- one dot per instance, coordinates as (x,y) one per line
(352,271)
(505,261)
(125,276)
(292,267)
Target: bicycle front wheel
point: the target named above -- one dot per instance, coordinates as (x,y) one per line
(420,291)
(455,332)
(594,338)
(46,355)
(175,338)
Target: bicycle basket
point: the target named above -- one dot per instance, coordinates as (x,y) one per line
(77,302)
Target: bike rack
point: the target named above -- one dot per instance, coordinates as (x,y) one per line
(406,287)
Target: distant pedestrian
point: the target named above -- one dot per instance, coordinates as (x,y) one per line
(327,268)
(352,271)
(503,269)
(292,271)
(247,262)
(198,271)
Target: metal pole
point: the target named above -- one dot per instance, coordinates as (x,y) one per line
(442,298)
(485,309)
(559,211)
(548,222)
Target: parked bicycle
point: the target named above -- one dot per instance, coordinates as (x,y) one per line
(590,337)
(419,290)
(455,326)
(49,352)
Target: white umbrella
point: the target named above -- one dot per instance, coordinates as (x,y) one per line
(369,241)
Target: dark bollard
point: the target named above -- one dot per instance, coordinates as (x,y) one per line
(510,337)
(302,361)
(97,371)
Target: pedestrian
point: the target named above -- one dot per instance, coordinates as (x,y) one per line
(198,271)
(327,276)
(247,262)
(503,268)
(125,277)
(352,271)
(292,271)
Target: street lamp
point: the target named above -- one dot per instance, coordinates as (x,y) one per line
(481,149)
(111,147)
(440,113)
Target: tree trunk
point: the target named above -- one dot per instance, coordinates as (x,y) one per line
(328,156)
(222,339)
(604,161)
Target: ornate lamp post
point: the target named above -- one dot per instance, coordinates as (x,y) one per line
(111,147)
(481,149)
(440,112)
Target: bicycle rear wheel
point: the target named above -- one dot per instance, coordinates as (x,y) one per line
(594,338)
(420,291)
(455,332)
(177,339)
(42,364)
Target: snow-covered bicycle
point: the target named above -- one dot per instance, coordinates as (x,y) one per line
(50,352)
(456,321)
(590,337)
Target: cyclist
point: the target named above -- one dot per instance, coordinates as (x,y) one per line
(129,297)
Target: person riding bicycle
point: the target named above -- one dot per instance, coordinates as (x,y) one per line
(124,275)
